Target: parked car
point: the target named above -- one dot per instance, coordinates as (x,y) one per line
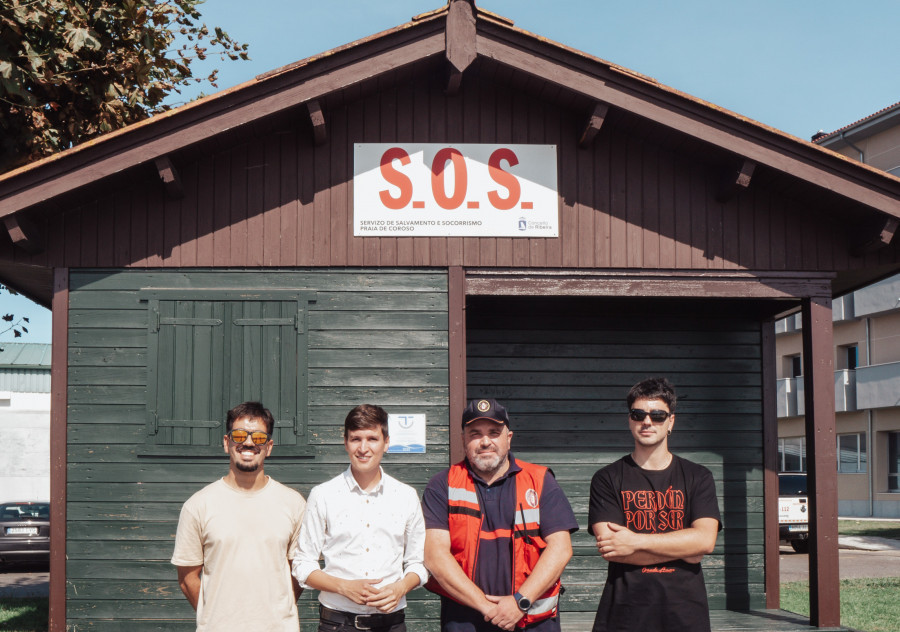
(793,511)
(24,532)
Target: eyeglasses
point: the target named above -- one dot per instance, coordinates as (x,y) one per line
(658,416)
(258,437)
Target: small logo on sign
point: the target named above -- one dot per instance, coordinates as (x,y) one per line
(531,498)
(484,406)
(523,223)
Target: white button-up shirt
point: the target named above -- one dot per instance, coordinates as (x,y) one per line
(361,535)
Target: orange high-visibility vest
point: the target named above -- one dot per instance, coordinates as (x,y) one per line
(465,521)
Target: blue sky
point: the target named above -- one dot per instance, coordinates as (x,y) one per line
(796,65)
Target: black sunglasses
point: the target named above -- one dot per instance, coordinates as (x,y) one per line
(258,437)
(655,415)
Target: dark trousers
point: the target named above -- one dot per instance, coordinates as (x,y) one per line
(328,626)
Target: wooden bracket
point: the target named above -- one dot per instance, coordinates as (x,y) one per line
(317,118)
(24,233)
(735,181)
(170,178)
(459,40)
(595,122)
(884,233)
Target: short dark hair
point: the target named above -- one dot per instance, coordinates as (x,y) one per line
(366,416)
(253,410)
(653,388)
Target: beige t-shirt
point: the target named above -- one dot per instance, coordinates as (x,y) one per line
(244,541)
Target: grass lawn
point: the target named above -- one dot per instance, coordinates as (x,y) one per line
(24,615)
(869,527)
(866,604)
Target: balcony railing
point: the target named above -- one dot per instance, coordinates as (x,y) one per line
(792,396)
(878,385)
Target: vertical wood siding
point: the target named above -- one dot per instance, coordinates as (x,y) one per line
(379,338)
(633,199)
(564,367)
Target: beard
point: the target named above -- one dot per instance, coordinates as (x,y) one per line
(488,463)
(246,467)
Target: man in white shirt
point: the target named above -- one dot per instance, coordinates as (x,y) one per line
(235,536)
(368,528)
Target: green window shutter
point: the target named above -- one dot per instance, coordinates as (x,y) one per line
(209,350)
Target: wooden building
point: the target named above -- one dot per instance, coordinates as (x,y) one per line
(208,256)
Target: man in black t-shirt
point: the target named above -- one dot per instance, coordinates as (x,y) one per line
(655,516)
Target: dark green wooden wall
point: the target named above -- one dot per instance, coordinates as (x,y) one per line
(564,366)
(378,337)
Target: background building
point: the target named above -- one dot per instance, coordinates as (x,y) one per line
(866,359)
(25,421)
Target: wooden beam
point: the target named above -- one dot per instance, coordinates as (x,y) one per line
(736,181)
(770,467)
(459,39)
(885,233)
(24,233)
(317,119)
(456,303)
(170,178)
(821,453)
(595,122)
(59,378)
(676,283)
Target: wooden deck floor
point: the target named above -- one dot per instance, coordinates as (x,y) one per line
(723,621)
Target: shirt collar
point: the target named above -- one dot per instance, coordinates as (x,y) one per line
(352,485)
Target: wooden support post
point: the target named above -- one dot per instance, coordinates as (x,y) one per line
(457,365)
(24,233)
(821,454)
(459,38)
(317,119)
(736,181)
(595,122)
(170,178)
(884,233)
(58,404)
(770,466)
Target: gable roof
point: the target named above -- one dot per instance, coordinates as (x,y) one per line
(460,38)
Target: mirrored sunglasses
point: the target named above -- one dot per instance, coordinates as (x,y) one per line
(655,415)
(258,437)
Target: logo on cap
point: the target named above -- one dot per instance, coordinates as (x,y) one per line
(483,406)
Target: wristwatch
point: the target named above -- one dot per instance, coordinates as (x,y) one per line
(524,603)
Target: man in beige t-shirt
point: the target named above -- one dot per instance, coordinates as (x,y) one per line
(235,537)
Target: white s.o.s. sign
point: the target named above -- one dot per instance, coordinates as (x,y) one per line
(458,190)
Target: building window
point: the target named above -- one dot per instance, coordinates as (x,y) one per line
(851,453)
(848,357)
(792,454)
(793,366)
(894,461)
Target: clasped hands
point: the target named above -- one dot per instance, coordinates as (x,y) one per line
(504,612)
(365,593)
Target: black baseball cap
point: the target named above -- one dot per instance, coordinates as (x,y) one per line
(485,409)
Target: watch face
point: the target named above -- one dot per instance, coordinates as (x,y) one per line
(524,603)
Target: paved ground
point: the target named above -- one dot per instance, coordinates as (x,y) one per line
(25,581)
(858,557)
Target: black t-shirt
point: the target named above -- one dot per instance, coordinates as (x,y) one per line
(664,597)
